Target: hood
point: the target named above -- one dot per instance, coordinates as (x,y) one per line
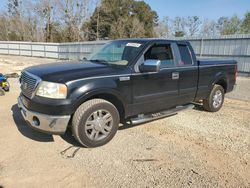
(63,72)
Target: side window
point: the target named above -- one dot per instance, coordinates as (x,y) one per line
(162,53)
(186,57)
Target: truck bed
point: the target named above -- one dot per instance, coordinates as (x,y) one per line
(212,61)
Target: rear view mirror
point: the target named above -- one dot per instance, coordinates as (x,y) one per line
(150,65)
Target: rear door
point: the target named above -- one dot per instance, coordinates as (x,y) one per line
(188,73)
(153,92)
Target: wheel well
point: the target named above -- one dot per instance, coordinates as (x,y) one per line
(114,100)
(222,83)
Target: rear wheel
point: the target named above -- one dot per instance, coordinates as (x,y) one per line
(215,100)
(95,123)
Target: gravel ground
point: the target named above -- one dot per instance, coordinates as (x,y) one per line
(192,149)
(15,64)
(242,90)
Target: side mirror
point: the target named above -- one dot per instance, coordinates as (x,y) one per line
(150,65)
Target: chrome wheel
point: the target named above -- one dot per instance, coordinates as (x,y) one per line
(98,125)
(217,99)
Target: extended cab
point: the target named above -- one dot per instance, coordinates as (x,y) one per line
(133,80)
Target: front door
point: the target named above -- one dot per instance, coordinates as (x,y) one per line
(153,92)
(188,75)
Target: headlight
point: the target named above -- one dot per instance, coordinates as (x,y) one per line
(52,90)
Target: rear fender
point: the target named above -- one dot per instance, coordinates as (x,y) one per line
(220,78)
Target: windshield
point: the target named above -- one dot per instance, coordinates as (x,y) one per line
(118,52)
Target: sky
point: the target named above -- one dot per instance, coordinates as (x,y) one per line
(211,9)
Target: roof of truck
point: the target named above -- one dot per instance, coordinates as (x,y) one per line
(150,39)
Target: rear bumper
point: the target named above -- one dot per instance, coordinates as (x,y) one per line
(50,124)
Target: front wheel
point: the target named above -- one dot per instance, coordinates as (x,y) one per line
(215,100)
(95,123)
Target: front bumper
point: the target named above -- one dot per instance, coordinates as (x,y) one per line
(50,124)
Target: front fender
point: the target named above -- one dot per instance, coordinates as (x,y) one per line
(83,90)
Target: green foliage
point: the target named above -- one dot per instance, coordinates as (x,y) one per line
(179,34)
(229,26)
(245,26)
(178,26)
(121,19)
(81,20)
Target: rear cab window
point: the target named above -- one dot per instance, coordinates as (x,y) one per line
(186,55)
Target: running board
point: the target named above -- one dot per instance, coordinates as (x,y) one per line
(150,117)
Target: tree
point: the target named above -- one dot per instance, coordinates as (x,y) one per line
(137,29)
(145,15)
(162,29)
(34,23)
(73,14)
(245,26)
(14,7)
(208,28)
(16,26)
(178,26)
(118,19)
(80,20)
(193,24)
(45,10)
(229,26)
(4,27)
(235,24)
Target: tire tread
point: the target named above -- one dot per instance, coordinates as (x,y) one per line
(207,103)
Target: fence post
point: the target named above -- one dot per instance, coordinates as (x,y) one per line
(58,46)
(201,47)
(31,48)
(44,54)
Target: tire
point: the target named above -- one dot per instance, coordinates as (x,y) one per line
(95,123)
(215,99)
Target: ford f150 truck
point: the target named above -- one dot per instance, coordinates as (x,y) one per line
(132,80)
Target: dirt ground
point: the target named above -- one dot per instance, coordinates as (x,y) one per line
(15,64)
(192,149)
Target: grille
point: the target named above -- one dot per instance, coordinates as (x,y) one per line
(28,83)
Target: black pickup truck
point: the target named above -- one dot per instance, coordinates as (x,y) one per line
(132,80)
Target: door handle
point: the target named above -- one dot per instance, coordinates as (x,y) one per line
(175,75)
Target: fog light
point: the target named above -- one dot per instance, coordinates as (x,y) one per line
(35,121)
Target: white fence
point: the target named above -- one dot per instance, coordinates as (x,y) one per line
(78,50)
(35,49)
(235,47)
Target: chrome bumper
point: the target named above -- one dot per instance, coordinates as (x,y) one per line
(42,122)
